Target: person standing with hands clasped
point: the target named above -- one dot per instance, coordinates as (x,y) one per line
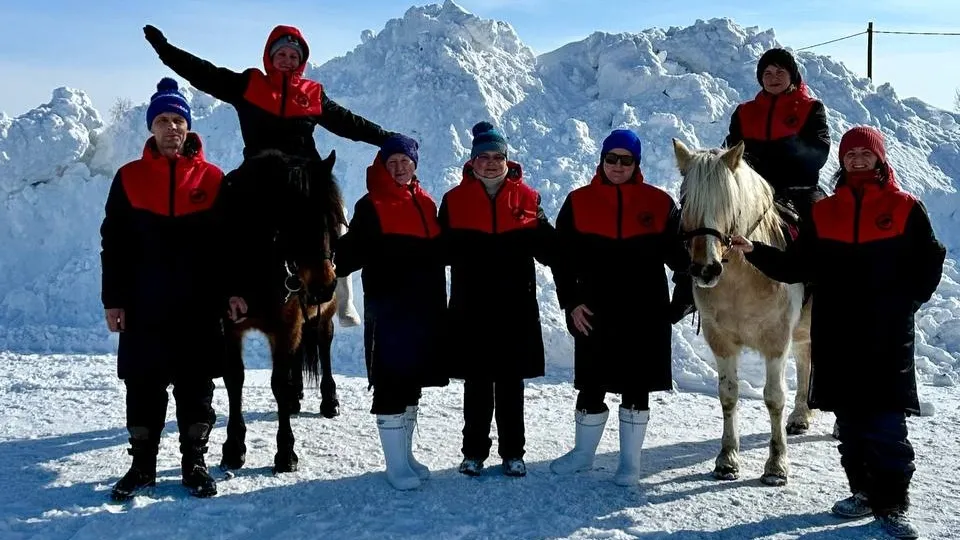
(492,229)
(874,260)
(615,234)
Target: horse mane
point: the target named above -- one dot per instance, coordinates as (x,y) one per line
(729,201)
(306,176)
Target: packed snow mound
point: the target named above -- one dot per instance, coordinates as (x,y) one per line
(433,74)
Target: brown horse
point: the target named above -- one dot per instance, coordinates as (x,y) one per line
(287,213)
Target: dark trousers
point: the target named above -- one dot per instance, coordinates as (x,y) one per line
(483,398)
(877,457)
(394,399)
(590,400)
(147,411)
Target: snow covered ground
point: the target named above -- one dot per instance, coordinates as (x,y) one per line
(62,445)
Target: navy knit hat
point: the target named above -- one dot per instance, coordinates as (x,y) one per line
(399,144)
(622,138)
(486,138)
(168,99)
(286,41)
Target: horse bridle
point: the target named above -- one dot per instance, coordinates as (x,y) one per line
(725,239)
(294,284)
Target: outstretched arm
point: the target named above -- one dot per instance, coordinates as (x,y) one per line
(790,266)
(341,122)
(221,83)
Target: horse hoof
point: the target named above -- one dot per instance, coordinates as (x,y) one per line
(285,466)
(232,463)
(233,457)
(773,479)
(797,428)
(330,409)
(726,473)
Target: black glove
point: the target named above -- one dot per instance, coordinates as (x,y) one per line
(154,36)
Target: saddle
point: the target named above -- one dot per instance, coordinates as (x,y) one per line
(790,216)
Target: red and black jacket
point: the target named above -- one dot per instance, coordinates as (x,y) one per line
(276,110)
(394,238)
(490,243)
(873,260)
(786,136)
(161,239)
(615,240)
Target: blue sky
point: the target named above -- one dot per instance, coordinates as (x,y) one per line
(99,46)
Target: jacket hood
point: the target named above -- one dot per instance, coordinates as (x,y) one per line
(278,32)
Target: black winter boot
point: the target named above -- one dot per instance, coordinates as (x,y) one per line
(193,446)
(891,500)
(143,471)
(682,303)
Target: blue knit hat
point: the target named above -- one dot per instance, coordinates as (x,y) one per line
(622,138)
(168,99)
(399,144)
(486,138)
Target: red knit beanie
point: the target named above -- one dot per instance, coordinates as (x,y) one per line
(866,137)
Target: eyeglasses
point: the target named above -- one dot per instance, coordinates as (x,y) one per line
(613,159)
(498,158)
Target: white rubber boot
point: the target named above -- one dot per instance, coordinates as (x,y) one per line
(346,312)
(393,438)
(587,438)
(410,426)
(633,428)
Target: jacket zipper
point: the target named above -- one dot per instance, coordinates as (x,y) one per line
(857,204)
(173,186)
(619,213)
(773,107)
(283,97)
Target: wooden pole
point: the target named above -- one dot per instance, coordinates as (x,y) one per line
(870,50)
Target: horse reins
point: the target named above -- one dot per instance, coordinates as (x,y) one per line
(725,239)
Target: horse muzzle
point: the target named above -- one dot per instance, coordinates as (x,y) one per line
(706,275)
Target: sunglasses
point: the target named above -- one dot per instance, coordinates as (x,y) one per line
(613,159)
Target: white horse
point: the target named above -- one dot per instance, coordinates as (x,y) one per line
(739,306)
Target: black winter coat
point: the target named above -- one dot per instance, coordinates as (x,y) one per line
(276,111)
(615,241)
(394,239)
(873,260)
(787,141)
(162,263)
(490,244)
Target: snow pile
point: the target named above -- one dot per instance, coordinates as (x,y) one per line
(433,74)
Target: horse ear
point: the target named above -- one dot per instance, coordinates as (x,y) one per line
(733,156)
(683,155)
(331,159)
